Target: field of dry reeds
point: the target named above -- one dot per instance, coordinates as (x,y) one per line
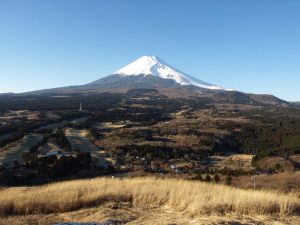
(194,198)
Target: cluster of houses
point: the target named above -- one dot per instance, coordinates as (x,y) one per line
(173,168)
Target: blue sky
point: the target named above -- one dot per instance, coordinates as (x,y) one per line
(252,46)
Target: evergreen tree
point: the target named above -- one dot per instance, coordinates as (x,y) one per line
(228,180)
(216,178)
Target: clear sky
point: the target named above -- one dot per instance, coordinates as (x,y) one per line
(249,45)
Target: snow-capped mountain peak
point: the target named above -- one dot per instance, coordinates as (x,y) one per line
(151,65)
(145,65)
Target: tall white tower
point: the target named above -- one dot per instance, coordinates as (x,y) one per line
(80,107)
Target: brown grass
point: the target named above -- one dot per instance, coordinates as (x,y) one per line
(78,139)
(269,163)
(285,182)
(194,198)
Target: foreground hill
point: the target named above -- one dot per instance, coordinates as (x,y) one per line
(146,201)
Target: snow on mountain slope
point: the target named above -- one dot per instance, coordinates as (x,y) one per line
(151,65)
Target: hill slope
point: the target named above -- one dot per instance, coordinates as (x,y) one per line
(145,201)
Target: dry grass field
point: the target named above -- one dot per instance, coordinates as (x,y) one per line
(282,164)
(50,146)
(79,140)
(146,201)
(234,161)
(285,182)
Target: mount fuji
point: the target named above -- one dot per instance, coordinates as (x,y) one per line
(145,72)
(151,71)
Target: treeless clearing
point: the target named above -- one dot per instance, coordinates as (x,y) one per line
(54,126)
(279,163)
(111,125)
(49,147)
(78,139)
(295,158)
(15,150)
(283,182)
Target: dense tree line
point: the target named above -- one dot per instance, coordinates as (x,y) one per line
(12,138)
(12,126)
(269,136)
(144,134)
(146,117)
(60,138)
(54,102)
(163,153)
(48,166)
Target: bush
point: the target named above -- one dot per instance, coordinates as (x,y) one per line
(207,178)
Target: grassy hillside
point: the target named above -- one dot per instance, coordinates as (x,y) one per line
(192,198)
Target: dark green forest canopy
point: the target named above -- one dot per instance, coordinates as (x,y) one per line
(269,132)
